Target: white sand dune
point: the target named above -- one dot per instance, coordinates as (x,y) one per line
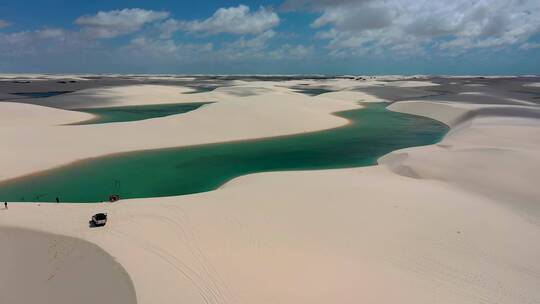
(41,77)
(332,84)
(21,115)
(41,267)
(411,84)
(131,95)
(485,142)
(353,96)
(345,84)
(454,222)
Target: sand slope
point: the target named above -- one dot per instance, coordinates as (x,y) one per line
(15,116)
(129,95)
(39,267)
(486,142)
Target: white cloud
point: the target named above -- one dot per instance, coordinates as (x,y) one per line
(257,42)
(26,38)
(243,49)
(235,20)
(167,49)
(51,33)
(288,51)
(415,25)
(4,23)
(363,17)
(318,4)
(114,23)
(169,27)
(529,46)
(57,40)
(47,40)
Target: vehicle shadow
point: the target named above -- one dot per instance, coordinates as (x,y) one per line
(91,224)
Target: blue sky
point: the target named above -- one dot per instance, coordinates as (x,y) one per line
(271,37)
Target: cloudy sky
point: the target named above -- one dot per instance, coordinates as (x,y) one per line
(271,37)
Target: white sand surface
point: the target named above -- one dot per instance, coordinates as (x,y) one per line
(38,77)
(39,267)
(486,142)
(455,222)
(411,84)
(347,85)
(487,96)
(21,115)
(344,84)
(354,96)
(131,95)
(485,76)
(333,84)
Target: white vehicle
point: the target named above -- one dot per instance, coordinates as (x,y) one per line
(99,219)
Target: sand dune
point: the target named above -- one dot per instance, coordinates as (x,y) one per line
(40,267)
(487,140)
(130,95)
(454,222)
(40,77)
(411,84)
(20,115)
(354,96)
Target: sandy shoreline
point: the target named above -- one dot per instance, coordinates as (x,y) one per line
(448,223)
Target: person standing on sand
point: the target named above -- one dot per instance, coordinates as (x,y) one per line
(5,205)
(57,200)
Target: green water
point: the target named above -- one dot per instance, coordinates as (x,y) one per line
(133,113)
(311,91)
(41,94)
(373,132)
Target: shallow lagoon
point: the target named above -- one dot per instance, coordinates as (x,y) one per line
(41,94)
(373,132)
(133,113)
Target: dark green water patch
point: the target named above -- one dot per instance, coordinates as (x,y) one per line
(41,94)
(311,91)
(133,113)
(373,132)
(201,89)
